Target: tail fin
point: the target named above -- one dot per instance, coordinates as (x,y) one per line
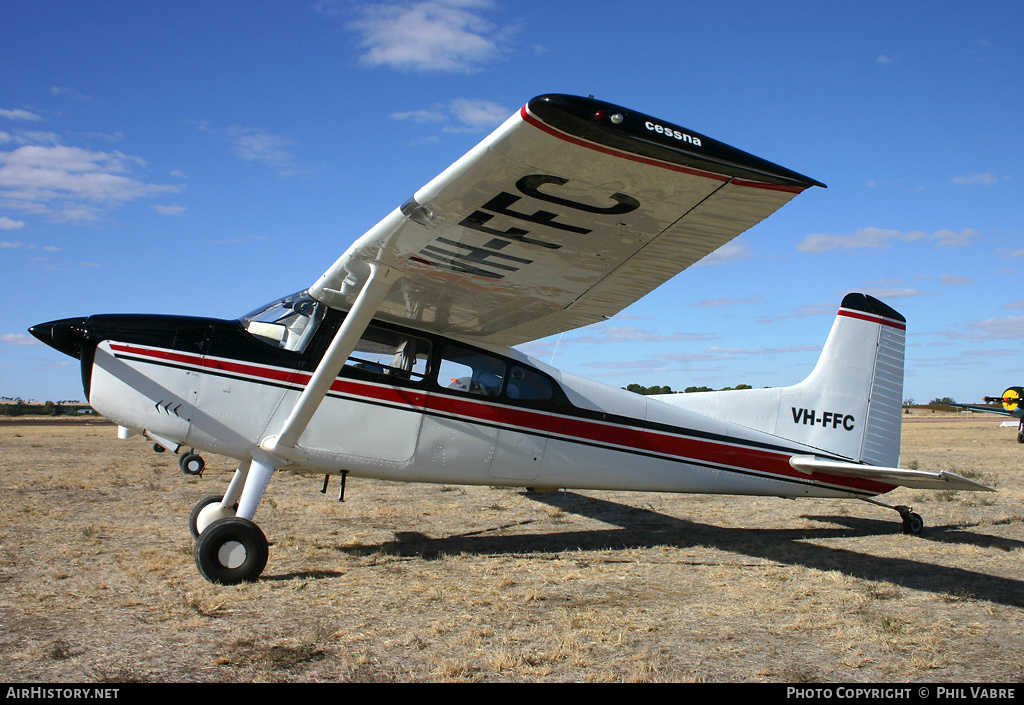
(850,404)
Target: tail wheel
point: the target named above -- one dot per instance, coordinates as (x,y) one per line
(232,551)
(913,524)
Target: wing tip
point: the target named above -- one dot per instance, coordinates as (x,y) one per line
(618,127)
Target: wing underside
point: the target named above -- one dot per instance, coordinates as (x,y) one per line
(569,212)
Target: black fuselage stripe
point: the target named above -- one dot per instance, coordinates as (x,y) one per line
(498,426)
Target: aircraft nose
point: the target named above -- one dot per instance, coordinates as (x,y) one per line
(65,335)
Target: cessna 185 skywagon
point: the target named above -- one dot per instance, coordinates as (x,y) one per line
(399,362)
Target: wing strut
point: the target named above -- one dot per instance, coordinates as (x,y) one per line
(366,304)
(277,450)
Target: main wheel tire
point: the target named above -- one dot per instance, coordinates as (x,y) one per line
(232,551)
(192,464)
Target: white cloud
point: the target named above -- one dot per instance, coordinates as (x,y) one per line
(986,179)
(254,144)
(443,36)
(864,238)
(883,293)
(714,303)
(10,224)
(803,311)
(169,210)
(69,183)
(879,238)
(18,339)
(763,351)
(19,115)
(479,114)
(1009,327)
(618,334)
(460,115)
(436,115)
(729,252)
(951,238)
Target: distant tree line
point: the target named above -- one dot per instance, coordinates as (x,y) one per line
(937,401)
(640,389)
(17,407)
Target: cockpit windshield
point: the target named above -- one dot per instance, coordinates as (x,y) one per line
(287,323)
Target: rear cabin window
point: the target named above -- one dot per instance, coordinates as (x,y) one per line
(471,371)
(528,385)
(489,376)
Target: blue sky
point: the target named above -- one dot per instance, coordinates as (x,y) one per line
(203,158)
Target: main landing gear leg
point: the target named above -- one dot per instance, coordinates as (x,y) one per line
(210,509)
(913,524)
(233,549)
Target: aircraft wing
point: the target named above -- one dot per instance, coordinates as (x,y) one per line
(916,479)
(569,212)
(983,407)
(1009,403)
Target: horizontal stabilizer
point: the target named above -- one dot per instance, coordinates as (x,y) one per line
(916,479)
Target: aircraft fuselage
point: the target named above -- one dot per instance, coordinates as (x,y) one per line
(413,406)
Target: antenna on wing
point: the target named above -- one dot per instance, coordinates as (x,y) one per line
(553,352)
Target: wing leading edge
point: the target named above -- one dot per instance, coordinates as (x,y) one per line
(569,212)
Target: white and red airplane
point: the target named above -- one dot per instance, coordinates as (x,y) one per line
(399,362)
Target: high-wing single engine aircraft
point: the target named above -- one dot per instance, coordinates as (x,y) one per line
(1009,405)
(398,363)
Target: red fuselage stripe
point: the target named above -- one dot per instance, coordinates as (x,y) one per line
(554,425)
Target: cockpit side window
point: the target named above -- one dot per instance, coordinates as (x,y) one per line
(288,323)
(390,353)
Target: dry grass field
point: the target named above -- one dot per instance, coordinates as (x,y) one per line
(439,583)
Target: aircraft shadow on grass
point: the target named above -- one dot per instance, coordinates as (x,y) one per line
(638,527)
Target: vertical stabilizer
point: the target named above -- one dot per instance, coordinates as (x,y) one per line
(850,404)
